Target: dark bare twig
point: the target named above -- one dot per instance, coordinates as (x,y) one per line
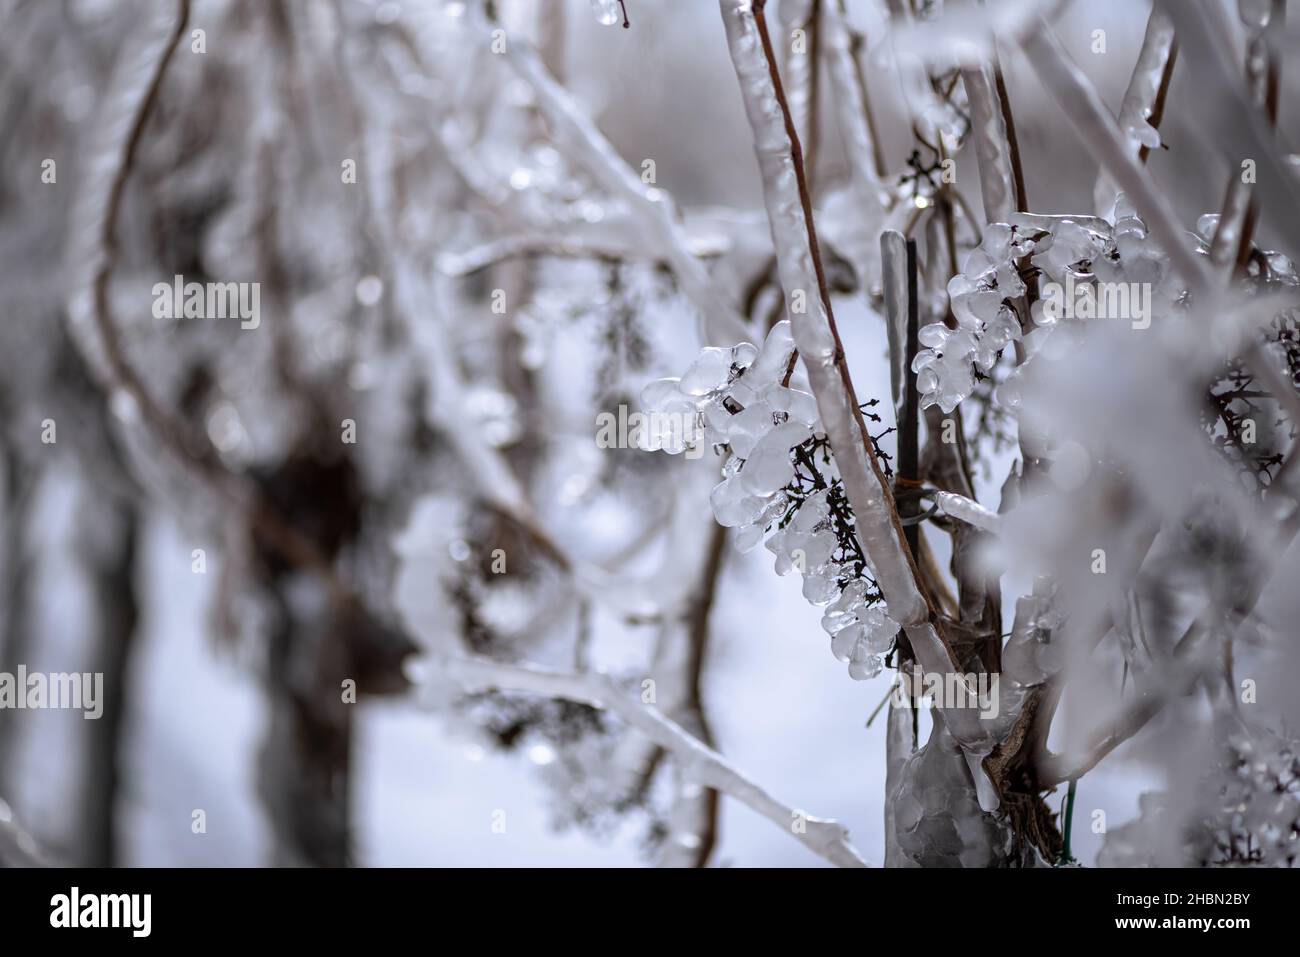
(1013,144)
(910,425)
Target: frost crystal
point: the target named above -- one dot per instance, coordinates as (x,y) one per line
(606,12)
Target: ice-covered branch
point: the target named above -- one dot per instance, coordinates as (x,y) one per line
(997,187)
(1150,80)
(813,328)
(1242,131)
(578,137)
(1195,654)
(794,238)
(412,289)
(1232,233)
(496,481)
(968,510)
(826,838)
(693,821)
(1140,110)
(853,117)
(893,281)
(132,105)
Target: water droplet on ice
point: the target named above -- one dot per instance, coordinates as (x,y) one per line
(606,12)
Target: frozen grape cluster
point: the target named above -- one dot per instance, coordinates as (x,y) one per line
(981,297)
(1072,254)
(734,397)
(778,483)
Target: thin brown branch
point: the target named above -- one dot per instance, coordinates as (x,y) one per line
(1013,144)
(1157,113)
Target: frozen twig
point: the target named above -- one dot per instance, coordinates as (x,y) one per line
(1192,658)
(1143,103)
(1232,236)
(968,510)
(826,838)
(498,486)
(803,73)
(693,822)
(893,274)
(853,117)
(1009,121)
(793,236)
(140,83)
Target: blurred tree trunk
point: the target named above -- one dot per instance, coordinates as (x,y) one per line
(110,565)
(306,755)
(317,642)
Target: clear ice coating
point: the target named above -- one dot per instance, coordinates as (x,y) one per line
(938,820)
